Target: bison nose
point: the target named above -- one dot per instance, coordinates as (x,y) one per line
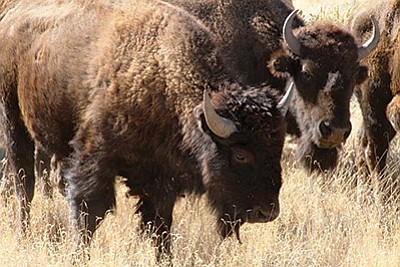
(264,214)
(325,128)
(340,131)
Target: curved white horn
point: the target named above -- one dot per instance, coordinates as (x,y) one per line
(288,36)
(370,45)
(284,103)
(218,125)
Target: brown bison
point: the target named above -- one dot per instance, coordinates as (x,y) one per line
(122,88)
(322,57)
(379,97)
(42,160)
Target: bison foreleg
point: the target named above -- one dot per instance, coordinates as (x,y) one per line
(20,155)
(42,171)
(91,195)
(156,222)
(377,129)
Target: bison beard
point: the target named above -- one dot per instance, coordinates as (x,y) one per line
(124,88)
(308,153)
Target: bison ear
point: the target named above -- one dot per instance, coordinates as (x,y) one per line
(199,115)
(361,75)
(197,111)
(282,65)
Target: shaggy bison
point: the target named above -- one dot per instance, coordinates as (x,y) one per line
(122,88)
(379,97)
(42,160)
(322,57)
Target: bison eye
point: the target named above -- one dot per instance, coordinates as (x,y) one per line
(306,75)
(241,155)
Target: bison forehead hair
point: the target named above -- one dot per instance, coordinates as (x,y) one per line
(326,41)
(255,108)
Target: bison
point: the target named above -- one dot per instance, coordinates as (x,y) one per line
(322,57)
(379,97)
(122,88)
(42,160)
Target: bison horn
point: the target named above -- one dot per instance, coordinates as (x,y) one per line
(370,45)
(218,125)
(284,103)
(288,36)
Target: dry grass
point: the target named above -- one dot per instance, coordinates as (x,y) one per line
(326,220)
(321,9)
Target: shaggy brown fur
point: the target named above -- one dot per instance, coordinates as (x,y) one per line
(250,32)
(379,97)
(116,89)
(42,160)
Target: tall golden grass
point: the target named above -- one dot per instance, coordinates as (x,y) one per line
(326,220)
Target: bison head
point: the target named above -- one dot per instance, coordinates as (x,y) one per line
(242,173)
(323,61)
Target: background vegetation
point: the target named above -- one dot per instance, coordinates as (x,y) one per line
(326,220)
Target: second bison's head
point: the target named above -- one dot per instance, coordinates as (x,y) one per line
(240,157)
(323,61)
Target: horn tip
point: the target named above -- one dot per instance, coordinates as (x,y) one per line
(205,94)
(374,21)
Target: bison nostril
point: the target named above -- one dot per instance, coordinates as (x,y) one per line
(325,128)
(335,131)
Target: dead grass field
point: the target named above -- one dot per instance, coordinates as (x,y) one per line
(325,220)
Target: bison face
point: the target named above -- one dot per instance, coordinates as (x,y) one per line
(323,61)
(322,103)
(242,174)
(324,86)
(243,178)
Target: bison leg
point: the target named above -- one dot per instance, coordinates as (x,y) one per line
(42,171)
(156,221)
(377,129)
(91,195)
(20,150)
(57,175)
